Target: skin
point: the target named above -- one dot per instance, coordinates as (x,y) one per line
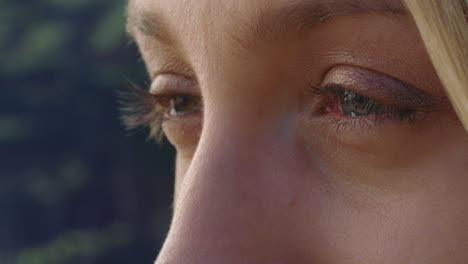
(262,176)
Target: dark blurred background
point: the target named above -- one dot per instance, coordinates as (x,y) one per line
(74,186)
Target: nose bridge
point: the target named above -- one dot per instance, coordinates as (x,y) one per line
(224,209)
(235,195)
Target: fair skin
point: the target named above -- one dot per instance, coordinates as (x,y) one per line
(272,170)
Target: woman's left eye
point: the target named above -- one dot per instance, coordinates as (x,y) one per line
(184,104)
(350,105)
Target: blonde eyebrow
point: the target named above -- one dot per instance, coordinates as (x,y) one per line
(271,23)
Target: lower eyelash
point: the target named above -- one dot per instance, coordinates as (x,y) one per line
(140,109)
(369,122)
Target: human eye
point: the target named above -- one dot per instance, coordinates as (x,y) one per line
(348,104)
(358,116)
(357,100)
(172,98)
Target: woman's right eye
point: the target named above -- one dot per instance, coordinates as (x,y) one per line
(177,94)
(184,104)
(170,96)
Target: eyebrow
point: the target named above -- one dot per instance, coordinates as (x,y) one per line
(271,23)
(149,23)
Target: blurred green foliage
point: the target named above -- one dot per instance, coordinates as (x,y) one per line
(76,245)
(40,43)
(74,187)
(12,129)
(47,188)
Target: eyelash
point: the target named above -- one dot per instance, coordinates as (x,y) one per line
(141,109)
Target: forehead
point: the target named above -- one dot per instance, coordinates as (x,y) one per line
(199,24)
(194,19)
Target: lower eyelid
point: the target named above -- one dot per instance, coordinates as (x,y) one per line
(184,131)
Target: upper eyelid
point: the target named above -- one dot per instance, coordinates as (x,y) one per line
(164,60)
(173,83)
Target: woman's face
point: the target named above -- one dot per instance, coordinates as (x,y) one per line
(305,133)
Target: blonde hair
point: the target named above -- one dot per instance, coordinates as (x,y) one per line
(443,26)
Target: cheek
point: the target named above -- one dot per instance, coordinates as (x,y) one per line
(411,230)
(394,159)
(319,214)
(184,133)
(182,165)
